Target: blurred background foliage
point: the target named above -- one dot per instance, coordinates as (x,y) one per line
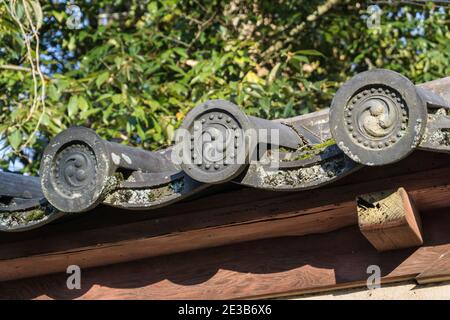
(131,70)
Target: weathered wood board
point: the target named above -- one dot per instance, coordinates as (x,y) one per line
(239,215)
(265,268)
(389,219)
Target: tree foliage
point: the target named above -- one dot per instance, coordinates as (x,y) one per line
(135,68)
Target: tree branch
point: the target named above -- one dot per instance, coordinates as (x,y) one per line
(320,11)
(21,69)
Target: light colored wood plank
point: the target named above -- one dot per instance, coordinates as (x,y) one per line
(389,219)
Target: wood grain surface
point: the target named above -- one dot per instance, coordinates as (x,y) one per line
(389,219)
(234,216)
(439,270)
(266,268)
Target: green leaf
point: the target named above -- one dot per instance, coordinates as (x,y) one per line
(309,53)
(37,12)
(53,92)
(170,132)
(117,98)
(72,107)
(15,139)
(102,78)
(58,15)
(152,7)
(104,96)
(288,109)
(82,103)
(273,73)
(72,43)
(45,119)
(87,113)
(140,132)
(19,10)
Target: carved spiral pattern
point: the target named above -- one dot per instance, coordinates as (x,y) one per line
(216,139)
(376,117)
(75,169)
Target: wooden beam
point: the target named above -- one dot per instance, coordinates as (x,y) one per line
(265,268)
(389,219)
(108,237)
(438,271)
